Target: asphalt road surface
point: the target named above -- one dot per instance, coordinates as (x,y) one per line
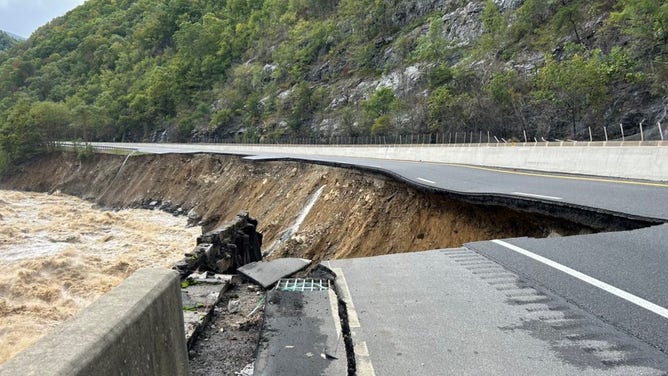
(590,305)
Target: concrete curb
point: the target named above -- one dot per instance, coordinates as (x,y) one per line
(135,329)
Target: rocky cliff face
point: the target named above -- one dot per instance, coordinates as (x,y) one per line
(430,34)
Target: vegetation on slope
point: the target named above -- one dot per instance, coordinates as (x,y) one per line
(7,41)
(263,69)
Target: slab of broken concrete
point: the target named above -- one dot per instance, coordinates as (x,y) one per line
(199,296)
(267,273)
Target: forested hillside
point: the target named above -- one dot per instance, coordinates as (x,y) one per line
(130,70)
(7,40)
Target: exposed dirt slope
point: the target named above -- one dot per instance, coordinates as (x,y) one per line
(358,214)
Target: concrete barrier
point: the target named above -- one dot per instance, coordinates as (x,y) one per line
(629,160)
(135,329)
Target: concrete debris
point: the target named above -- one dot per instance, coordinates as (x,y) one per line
(213,279)
(233,306)
(198,302)
(223,250)
(247,371)
(267,274)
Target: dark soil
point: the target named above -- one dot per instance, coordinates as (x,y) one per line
(229,342)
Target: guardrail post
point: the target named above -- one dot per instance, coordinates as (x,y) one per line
(605,131)
(590,137)
(622,129)
(642,135)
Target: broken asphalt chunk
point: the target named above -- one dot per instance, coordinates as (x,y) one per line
(268,273)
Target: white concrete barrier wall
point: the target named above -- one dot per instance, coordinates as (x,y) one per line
(135,329)
(630,160)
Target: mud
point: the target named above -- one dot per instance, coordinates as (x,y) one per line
(357,214)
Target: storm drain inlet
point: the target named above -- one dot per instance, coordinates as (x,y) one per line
(303,284)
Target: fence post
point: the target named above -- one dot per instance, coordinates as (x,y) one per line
(525,135)
(590,138)
(642,135)
(605,131)
(622,129)
(660,131)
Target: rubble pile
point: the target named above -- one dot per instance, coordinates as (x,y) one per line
(224,249)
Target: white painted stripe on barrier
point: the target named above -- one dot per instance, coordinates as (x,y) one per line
(537,196)
(654,308)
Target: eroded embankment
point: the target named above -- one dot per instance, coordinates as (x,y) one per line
(357,214)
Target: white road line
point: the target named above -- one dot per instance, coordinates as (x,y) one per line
(661,311)
(361,349)
(365,367)
(536,196)
(426,181)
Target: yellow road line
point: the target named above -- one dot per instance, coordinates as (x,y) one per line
(566,177)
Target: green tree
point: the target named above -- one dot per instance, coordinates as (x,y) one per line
(52,119)
(576,88)
(31,127)
(647,20)
(494,27)
(569,16)
(380,103)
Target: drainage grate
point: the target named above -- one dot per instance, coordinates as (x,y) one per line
(302,284)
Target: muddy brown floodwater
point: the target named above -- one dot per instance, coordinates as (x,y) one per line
(59,253)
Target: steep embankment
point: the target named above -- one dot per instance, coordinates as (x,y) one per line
(357,214)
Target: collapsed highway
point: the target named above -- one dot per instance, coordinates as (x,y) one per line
(490,307)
